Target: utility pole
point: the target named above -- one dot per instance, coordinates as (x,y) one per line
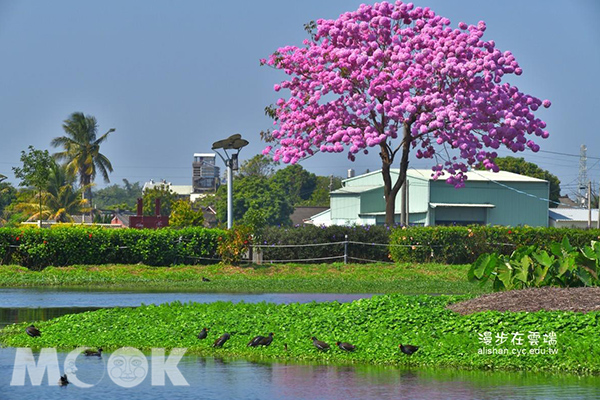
(589,201)
(582,178)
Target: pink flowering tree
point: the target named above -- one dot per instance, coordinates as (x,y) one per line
(400,79)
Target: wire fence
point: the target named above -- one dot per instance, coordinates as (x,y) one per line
(345,254)
(349,250)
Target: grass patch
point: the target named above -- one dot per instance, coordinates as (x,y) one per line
(335,278)
(376,326)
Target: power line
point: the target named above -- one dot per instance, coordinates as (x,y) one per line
(566,154)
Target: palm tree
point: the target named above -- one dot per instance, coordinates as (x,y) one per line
(62,200)
(82,151)
(59,199)
(31,204)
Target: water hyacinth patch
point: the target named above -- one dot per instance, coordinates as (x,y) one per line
(376,326)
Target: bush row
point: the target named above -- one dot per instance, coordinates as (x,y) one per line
(309,234)
(463,245)
(37,248)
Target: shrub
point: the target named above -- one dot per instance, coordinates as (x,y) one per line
(234,243)
(464,244)
(70,245)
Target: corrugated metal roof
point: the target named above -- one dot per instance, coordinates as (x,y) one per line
(356,189)
(474,176)
(473,205)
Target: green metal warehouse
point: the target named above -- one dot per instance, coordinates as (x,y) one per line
(488,198)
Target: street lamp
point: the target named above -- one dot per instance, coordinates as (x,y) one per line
(233,142)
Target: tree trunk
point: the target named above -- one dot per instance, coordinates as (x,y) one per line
(387,157)
(86,194)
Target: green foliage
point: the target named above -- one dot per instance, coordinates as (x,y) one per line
(255,193)
(35,172)
(320,195)
(162,192)
(62,200)
(295,182)
(464,244)
(116,197)
(376,326)
(81,150)
(522,167)
(183,215)
(70,245)
(234,243)
(530,266)
(8,194)
(259,165)
(258,187)
(36,168)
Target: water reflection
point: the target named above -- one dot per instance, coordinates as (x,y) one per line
(216,378)
(51,297)
(17,315)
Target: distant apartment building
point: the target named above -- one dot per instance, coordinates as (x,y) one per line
(205,175)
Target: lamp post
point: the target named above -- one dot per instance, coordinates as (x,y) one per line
(233,142)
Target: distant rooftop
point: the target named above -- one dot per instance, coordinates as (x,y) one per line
(572,214)
(205,155)
(182,190)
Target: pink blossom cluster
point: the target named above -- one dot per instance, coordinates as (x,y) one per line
(364,78)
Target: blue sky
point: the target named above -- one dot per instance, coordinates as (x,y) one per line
(173,77)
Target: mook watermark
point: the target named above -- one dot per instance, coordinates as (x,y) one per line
(127,367)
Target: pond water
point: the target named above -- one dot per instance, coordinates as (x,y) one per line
(210,378)
(41,304)
(213,378)
(51,297)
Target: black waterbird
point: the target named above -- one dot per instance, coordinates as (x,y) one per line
(345,346)
(203,333)
(261,340)
(320,344)
(408,349)
(63,381)
(221,341)
(33,331)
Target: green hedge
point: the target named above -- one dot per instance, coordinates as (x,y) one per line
(60,246)
(462,245)
(38,248)
(310,234)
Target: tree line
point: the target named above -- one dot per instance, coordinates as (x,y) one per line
(60,186)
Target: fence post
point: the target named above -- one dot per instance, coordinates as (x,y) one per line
(345,249)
